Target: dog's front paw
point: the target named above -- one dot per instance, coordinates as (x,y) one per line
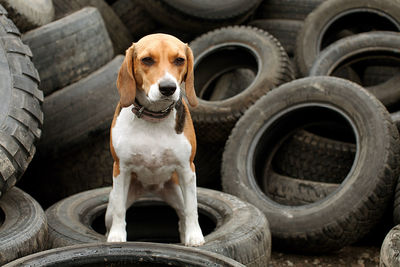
(194,238)
(116,236)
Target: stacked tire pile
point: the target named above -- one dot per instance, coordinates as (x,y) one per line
(296,128)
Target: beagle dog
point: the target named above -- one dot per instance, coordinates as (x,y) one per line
(153,142)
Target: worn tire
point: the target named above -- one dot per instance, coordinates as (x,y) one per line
(286,9)
(224,50)
(389,255)
(126,254)
(75,147)
(331,223)
(361,48)
(29,15)
(285,30)
(193,16)
(324,25)
(241,232)
(69,49)
(21,115)
(118,32)
(23,226)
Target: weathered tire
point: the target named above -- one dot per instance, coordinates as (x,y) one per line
(118,32)
(199,16)
(285,30)
(29,15)
(308,156)
(286,9)
(241,232)
(76,144)
(389,255)
(135,17)
(125,254)
(69,49)
(330,223)
(23,226)
(335,19)
(361,49)
(21,115)
(224,50)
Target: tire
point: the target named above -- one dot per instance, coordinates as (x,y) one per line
(389,255)
(192,16)
(358,51)
(69,49)
(135,17)
(242,232)
(308,156)
(75,148)
(23,226)
(125,254)
(21,115)
(29,15)
(330,223)
(285,30)
(118,32)
(324,25)
(224,50)
(286,9)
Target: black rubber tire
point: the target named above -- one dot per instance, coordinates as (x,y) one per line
(224,50)
(23,226)
(241,233)
(74,153)
(126,254)
(308,156)
(135,17)
(68,49)
(21,115)
(199,16)
(331,223)
(118,32)
(286,9)
(359,49)
(285,30)
(336,18)
(389,256)
(29,15)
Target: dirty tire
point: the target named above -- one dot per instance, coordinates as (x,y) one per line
(242,231)
(193,16)
(286,9)
(135,17)
(360,48)
(285,30)
(28,15)
(23,226)
(68,49)
(118,32)
(76,145)
(21,115)
(389,255)
(224,50)
(308,156)
(126,254)
(331,223)
(324,25)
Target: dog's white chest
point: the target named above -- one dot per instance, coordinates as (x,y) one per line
(152,150)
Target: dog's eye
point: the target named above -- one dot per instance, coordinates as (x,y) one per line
(179,61)
(148,61)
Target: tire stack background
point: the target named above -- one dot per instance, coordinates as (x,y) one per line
(324,173)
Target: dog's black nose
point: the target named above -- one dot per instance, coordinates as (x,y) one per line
(167,88)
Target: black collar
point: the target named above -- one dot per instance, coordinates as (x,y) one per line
(154,116)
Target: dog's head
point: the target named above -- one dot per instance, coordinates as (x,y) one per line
(157,64)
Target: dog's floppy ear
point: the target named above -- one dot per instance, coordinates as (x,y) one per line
(126,83)
(189,80)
